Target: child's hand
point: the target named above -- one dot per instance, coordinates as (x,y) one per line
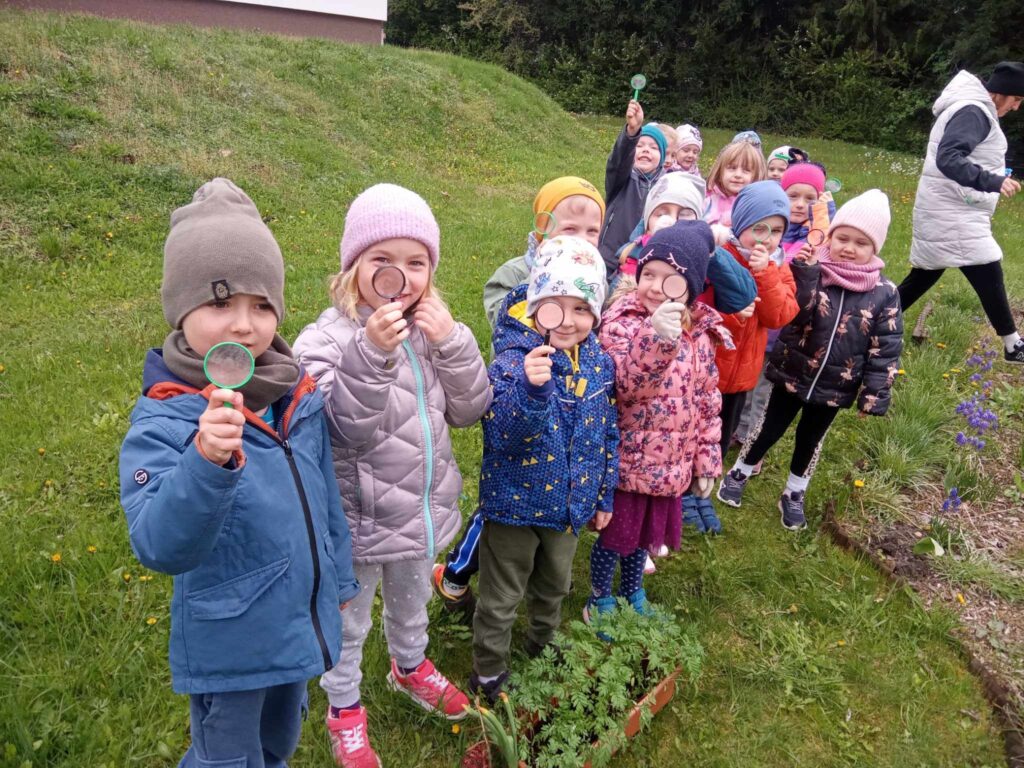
(702,486)
(807,254)
(601,520)
(748,311)
(759,258)
(433,318)
(537,365)
(634,117)
(668,320)
(825,197)
(220,428)
(386,328)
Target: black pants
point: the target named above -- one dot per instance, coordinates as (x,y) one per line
(985,279)
(782,408)
(732,410)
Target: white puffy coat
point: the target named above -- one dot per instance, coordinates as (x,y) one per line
(952,223)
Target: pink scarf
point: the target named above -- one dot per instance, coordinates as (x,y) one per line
(859,278)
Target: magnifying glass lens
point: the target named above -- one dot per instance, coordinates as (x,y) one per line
(228,365)
(674,287)
(389,282)
(549,316)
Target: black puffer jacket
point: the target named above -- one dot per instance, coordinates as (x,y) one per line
(838,341)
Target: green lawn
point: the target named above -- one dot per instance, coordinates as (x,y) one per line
(106,127)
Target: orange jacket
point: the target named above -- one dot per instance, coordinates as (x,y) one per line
(739,368)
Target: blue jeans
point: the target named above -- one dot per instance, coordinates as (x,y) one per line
(246,729)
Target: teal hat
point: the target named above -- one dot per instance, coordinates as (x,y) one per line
(655,133)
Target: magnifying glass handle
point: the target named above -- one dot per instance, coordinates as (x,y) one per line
(636,94)
(229,405)
(547,338)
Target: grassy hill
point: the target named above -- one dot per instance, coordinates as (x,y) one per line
(106,127)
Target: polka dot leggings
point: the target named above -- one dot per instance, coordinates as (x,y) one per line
(602,570)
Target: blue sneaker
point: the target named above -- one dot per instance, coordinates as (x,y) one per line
(709,516)
(639,602)
(690,514)
(730,490)
(598,606)
(791,505)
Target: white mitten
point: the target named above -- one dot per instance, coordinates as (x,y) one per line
(702,486)
(661,222)
(668,320)
(722,233)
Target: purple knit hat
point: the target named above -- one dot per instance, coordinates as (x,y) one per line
(383,212)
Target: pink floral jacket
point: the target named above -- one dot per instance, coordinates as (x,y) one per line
(668,399)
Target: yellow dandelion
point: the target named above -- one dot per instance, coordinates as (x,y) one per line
(48,483)
(41,451)
(945,375)
(954,370)
(901,372)
(110,235)
(126,576)
(961,599)
(2,368)
(841,643)
(55,557)
(91,549)
(147,577)
(456,728)
(792,608)
(858,483)
(940,345)
(151,620)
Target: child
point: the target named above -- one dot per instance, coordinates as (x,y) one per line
(550,460)
(847,337)
(394,374)
(778,162)
(233,492)
(567,205)
(675,197)
(762,203)
(576,209)
(750,137)
(668,402)
(736,166)
(810,206)
(636,162)
(687,149)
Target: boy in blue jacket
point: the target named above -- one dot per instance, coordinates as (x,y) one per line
(550,461)
(233,492)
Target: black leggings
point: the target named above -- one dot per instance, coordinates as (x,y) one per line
(782,408)
(985,279)
(732,410)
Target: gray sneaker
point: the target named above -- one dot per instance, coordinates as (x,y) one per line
(791,505)
(730,490)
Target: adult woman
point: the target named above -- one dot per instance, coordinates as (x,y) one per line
(960,185)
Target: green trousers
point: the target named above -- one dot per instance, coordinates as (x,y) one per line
(518,562)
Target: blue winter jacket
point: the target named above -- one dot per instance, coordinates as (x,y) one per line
(259,551)
(551,455)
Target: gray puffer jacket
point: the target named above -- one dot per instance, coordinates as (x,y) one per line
(389,416)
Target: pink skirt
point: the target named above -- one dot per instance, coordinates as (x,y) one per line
(641,521)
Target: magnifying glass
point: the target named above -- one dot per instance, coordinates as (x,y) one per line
(761,231)
(549,315)
(674,287)
(544,224)
(229,365)
(637,83)
(815,237)
(388,282)
(833,184)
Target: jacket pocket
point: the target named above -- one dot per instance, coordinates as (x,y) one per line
(233,597)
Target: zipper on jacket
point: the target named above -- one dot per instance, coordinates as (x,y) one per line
(428,444)
(828,350)
(311,533)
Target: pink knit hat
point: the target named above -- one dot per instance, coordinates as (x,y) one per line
(804,173)
(869,213)
(383,212)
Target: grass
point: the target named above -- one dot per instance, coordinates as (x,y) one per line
(812,657)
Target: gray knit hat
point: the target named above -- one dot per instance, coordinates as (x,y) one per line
(219,246)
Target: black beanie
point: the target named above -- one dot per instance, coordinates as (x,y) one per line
(687,246)
(1007,78)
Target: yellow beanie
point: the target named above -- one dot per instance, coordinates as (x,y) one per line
(556,190)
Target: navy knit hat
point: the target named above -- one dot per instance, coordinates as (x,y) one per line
(687,246)
(756,202)
(652,131)
(1007,78)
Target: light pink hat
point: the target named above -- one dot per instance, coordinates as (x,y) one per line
(869,213)
(383,212)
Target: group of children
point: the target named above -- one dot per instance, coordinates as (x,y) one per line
(330,471)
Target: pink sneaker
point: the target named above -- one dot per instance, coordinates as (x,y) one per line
(431,690)
(349,742)
(649,566)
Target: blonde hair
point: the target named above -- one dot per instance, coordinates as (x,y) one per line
(671,139)
(344,291)
(741,153)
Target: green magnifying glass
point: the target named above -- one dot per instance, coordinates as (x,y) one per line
(761,231)
(229,365)
(544,224)
(637,82)
(833,185)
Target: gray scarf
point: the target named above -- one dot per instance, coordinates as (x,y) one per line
(276,370)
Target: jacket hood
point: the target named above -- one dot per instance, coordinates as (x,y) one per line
(963,87)
(155,371)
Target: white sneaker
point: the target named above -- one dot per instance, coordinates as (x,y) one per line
(649,566)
